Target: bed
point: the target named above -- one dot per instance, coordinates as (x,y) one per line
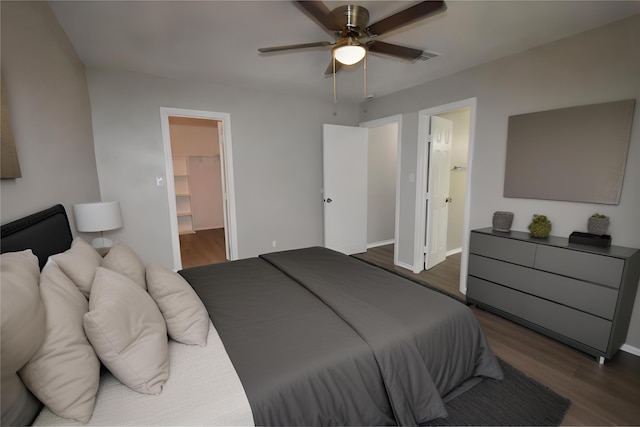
(306,337)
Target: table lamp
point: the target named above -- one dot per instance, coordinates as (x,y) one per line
(93,217)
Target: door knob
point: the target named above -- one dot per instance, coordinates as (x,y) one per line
(329,200)
(448,200)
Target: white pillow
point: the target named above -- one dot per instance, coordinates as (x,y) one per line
(186,316)
(23,322)
(65,372)
(79,264)
(127,332)
(122,259)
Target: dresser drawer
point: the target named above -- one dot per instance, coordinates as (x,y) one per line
(578,295)
(509,250)
(584,328)
(595,268)
(494,295)
(594,299)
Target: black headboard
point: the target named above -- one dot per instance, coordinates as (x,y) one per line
(46,233)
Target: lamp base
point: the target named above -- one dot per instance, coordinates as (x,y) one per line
(101,242)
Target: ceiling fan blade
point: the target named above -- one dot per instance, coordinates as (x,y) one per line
(293,46)
(402,52)
(329,70)
(322,14)
(418,11)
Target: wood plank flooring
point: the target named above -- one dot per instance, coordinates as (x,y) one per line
(601,395)
(445,275)
(202,247)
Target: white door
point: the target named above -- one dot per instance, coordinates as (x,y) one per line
(438,191)
(345,188)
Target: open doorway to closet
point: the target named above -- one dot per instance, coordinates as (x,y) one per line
(195,150)
(383,170)
(442,220)
(197,153)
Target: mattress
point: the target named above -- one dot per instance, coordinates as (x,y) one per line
(203,389)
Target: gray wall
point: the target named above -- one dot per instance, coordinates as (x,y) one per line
(277,156)
(381,183)
(560,74)
(50,114)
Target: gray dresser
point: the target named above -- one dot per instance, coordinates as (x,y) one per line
(580,295)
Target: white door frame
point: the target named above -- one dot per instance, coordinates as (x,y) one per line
(228,189)
(397,118)
(424,120)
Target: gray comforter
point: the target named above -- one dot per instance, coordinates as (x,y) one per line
(319,338)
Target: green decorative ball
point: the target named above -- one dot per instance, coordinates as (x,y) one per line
(540,226)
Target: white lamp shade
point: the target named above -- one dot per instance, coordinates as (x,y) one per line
(349,54)
(97,216)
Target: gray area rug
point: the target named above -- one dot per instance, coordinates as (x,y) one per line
(515,401)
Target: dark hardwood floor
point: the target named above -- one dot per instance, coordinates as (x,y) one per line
(202,247)
(445,275)
(601,395)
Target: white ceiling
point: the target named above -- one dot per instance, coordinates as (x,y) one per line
(218,41)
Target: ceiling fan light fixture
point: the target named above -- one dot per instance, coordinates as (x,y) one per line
(350,53)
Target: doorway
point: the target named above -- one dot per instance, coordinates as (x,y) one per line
(383,182)
(360,185)
(197,148)
(462,116)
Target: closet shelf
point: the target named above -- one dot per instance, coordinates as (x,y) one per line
(181,176)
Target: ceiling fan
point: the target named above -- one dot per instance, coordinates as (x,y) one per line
(349,24)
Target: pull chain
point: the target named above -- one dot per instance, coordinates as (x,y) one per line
(364,63)
(335,97)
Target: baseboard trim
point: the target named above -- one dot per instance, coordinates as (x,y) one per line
(383,243)
(630,349)
(454,251)
(404,265)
